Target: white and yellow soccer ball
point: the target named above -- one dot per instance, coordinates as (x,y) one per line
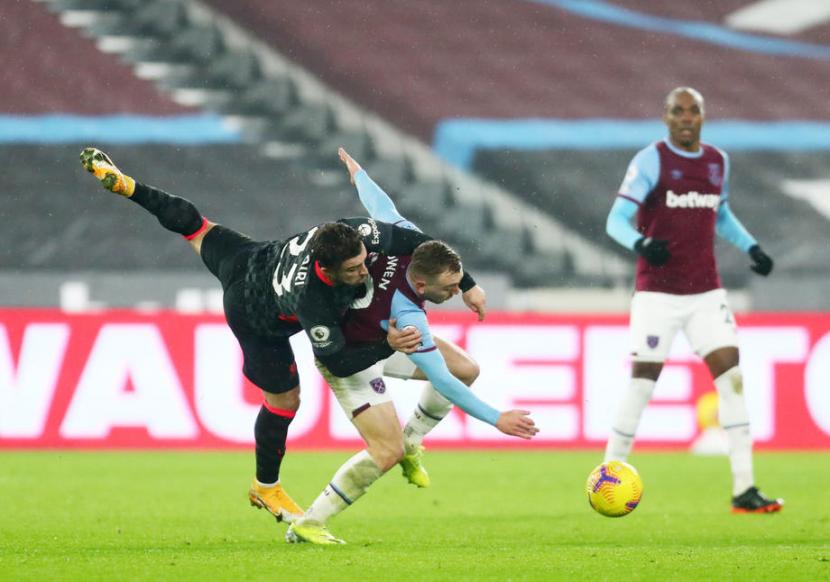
(614,488)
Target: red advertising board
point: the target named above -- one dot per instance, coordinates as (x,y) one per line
(167,380)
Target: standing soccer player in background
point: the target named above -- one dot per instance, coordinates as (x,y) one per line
(679,190)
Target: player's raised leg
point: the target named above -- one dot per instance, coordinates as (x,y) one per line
(98,163)
(380,428)
(173,213)
(268,361)
(431,409)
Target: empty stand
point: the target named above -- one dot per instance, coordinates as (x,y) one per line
(390,70)
(67,74)
(418,63)
(582,185)
(202,59)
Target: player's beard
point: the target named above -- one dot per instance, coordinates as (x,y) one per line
(342,281)
(436,297)
(687,136)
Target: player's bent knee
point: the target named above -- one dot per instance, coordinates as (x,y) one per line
(471,372)
(722,360)
(196,241)
(466,370)
(732,409)
(647,370)
(387,454)
(289,400)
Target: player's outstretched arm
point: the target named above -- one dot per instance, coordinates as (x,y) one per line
(512,422)
(375,200)
(517,423)
(430,361)
(381,207)
(351,164)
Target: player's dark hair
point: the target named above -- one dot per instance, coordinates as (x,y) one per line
(335,242)
(434,257)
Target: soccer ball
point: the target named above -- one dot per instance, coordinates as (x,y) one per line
(614,488)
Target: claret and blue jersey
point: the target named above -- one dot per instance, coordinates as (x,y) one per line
(389,295)
(681,197)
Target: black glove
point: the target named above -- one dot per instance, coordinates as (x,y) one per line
(654,251)
(763,262)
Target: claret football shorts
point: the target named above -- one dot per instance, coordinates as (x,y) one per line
(705,319)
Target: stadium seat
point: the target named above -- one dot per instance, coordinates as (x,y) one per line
(393,174)
(463,221)
(273,96)
(503,246)
(306,122)
(97,5)
(161,18)
(198,44)
(230,70)
(357,143)
(425,201)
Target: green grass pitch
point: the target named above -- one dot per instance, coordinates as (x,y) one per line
(488,516)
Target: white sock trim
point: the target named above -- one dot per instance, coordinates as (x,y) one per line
(430,410)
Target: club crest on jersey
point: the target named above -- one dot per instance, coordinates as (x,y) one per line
(715,175)
(677,174)
(652,341)
(319,333)
(378,385)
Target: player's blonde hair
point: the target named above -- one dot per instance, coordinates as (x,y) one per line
(433,258)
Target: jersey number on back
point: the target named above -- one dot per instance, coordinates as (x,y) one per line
(282,282)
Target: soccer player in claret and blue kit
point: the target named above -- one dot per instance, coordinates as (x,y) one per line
(274,289)
(678,189)
(397,289)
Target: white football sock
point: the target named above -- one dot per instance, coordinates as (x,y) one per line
(348,485)
(734,419)
(628,418)
(430,410)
